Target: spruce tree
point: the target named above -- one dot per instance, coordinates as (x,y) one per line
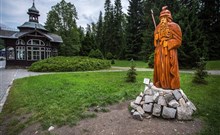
(194,43)
(210,15)
(200,74)
(131,74)
(134,30)
(99,35)
(118,35)
(107,28)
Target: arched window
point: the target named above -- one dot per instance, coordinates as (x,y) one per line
(20,42)
(35,42)
(10,53)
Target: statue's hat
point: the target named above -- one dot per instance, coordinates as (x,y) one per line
(165,12)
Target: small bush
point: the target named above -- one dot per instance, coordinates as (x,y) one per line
(66,64)
(96,54)
(151,61)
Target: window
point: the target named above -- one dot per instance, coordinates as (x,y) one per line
(55,52)
(48,52)
(20,42)
(20,53)
(35,53)
(10,53)
(35,42)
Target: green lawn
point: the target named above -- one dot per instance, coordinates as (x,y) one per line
(126,63)
(213,65)
(62,99)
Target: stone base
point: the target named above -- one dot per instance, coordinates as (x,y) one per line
(168,104)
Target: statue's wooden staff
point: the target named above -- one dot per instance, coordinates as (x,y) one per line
(161,59)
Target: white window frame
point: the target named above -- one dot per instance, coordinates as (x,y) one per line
(34,42)
(20,53)
(20,42)
(10,53)
(35,53)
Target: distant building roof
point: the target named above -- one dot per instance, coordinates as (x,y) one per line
(32,25)
(15,35)
(6,33)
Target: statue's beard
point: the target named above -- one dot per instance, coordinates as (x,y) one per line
(163,25)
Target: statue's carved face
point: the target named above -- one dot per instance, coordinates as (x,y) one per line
(163,20)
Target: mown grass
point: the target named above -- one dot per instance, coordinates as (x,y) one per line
(126,63)
(62,99)
(213,65)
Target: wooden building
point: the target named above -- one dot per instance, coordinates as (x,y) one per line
(31,43)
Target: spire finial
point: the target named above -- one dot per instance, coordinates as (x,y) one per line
(33,3)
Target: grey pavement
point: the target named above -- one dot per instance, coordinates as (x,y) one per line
(7,76)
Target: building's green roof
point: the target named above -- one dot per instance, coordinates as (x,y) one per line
(32,25)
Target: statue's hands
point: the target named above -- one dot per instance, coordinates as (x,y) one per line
(165,44)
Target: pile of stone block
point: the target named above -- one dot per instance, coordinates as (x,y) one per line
(168,104)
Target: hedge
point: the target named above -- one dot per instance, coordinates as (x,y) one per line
(67,64)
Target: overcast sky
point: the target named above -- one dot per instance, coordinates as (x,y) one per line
(13,13)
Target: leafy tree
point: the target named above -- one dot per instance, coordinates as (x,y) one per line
(62,20)
(135,27)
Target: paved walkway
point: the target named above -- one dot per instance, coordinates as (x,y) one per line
(7,76)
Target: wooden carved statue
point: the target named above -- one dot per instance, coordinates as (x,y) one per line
(167,38)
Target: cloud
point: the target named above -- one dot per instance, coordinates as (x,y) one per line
(14,12)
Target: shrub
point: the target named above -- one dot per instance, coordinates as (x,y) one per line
(131,74)
(200,74)
(112,61)
(96,54)
(109,56)
(151,61)
(65,64)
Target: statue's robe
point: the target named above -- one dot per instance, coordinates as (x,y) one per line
(166,68)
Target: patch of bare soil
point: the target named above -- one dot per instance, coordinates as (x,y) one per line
(119,122)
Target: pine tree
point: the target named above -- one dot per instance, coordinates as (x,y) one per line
(131,74)
(194,43)
(200,74)
(210,15)
(118,36)
(89,41)
(135,28)
(99,35)
(107,28)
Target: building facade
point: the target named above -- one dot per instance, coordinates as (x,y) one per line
(31,43)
